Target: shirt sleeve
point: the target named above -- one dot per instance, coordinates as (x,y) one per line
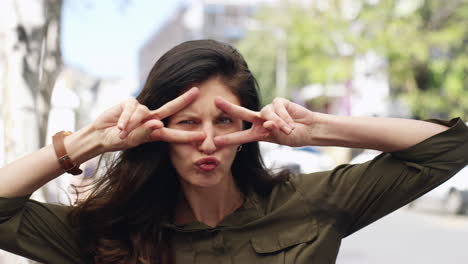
(38,231)
(357,195)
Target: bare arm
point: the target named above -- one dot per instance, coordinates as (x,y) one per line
(27,174)
(123,126)
(384,134)
(287,123)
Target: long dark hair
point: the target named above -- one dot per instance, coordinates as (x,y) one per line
(121,220)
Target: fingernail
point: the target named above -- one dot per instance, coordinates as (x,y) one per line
(287,129)
(123,134)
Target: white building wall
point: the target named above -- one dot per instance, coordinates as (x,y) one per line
(370,89)
(2,128)
(17,123)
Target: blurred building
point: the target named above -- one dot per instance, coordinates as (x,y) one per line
(78,99)
(75,100)
(18,116)
(223,20)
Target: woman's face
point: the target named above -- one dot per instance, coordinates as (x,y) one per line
(204,164)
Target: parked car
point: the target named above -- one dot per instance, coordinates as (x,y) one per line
(299,160)
(450,197)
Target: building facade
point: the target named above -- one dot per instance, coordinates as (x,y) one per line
(223,20)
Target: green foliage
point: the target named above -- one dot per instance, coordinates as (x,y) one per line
(425,43)
(260,52)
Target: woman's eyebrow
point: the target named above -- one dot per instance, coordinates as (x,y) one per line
(186,112)
(191,114)
(222,113)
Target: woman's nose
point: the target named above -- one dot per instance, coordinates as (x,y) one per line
(207,146)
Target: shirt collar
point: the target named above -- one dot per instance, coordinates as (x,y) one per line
(250,210)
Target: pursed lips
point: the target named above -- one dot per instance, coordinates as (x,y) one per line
(207,164)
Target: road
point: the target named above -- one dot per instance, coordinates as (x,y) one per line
(409,236)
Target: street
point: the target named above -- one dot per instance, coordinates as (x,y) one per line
(409,236)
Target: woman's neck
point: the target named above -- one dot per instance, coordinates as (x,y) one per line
(208,205)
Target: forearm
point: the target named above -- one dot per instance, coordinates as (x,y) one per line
(384,134)
(30,172)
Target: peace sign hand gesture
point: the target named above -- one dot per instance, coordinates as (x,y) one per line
(282,122)
(130,124)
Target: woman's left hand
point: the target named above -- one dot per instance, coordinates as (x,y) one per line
(281,122)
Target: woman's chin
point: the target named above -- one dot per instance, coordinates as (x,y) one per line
(204,180)
(206,183)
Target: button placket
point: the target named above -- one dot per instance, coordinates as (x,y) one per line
(221,249)
(185,252)
(218,244)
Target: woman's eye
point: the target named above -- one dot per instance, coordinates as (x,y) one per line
(187,122)
(225,120)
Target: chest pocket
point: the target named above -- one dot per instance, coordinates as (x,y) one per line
(275,245)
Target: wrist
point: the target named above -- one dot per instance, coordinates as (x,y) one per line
(83,145)
(329,130)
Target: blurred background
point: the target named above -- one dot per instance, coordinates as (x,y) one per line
(62,62)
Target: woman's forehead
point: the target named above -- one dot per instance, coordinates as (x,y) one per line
(205,101)
(213,87)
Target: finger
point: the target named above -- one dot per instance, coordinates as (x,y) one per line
(137,118)
(176,135)
(149,127)
(281,109)
(141,134)
(176,105)
(236,110)
(270,125)
(153,124)
(269,114)
(127,110)
(240,137)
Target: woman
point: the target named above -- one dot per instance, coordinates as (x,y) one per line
(189,185)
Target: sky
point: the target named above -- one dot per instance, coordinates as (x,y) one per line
(103,37)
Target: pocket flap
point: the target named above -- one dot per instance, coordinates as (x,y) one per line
(282,239)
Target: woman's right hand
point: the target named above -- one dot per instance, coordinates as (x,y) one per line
(130,124)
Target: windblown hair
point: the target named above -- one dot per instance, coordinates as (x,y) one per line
(122,219)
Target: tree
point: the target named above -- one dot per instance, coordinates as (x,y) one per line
(425,43)
(427,52)
(263,62)
(30,60)
(33,58)
(311,43)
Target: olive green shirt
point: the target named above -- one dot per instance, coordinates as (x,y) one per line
(303,220)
